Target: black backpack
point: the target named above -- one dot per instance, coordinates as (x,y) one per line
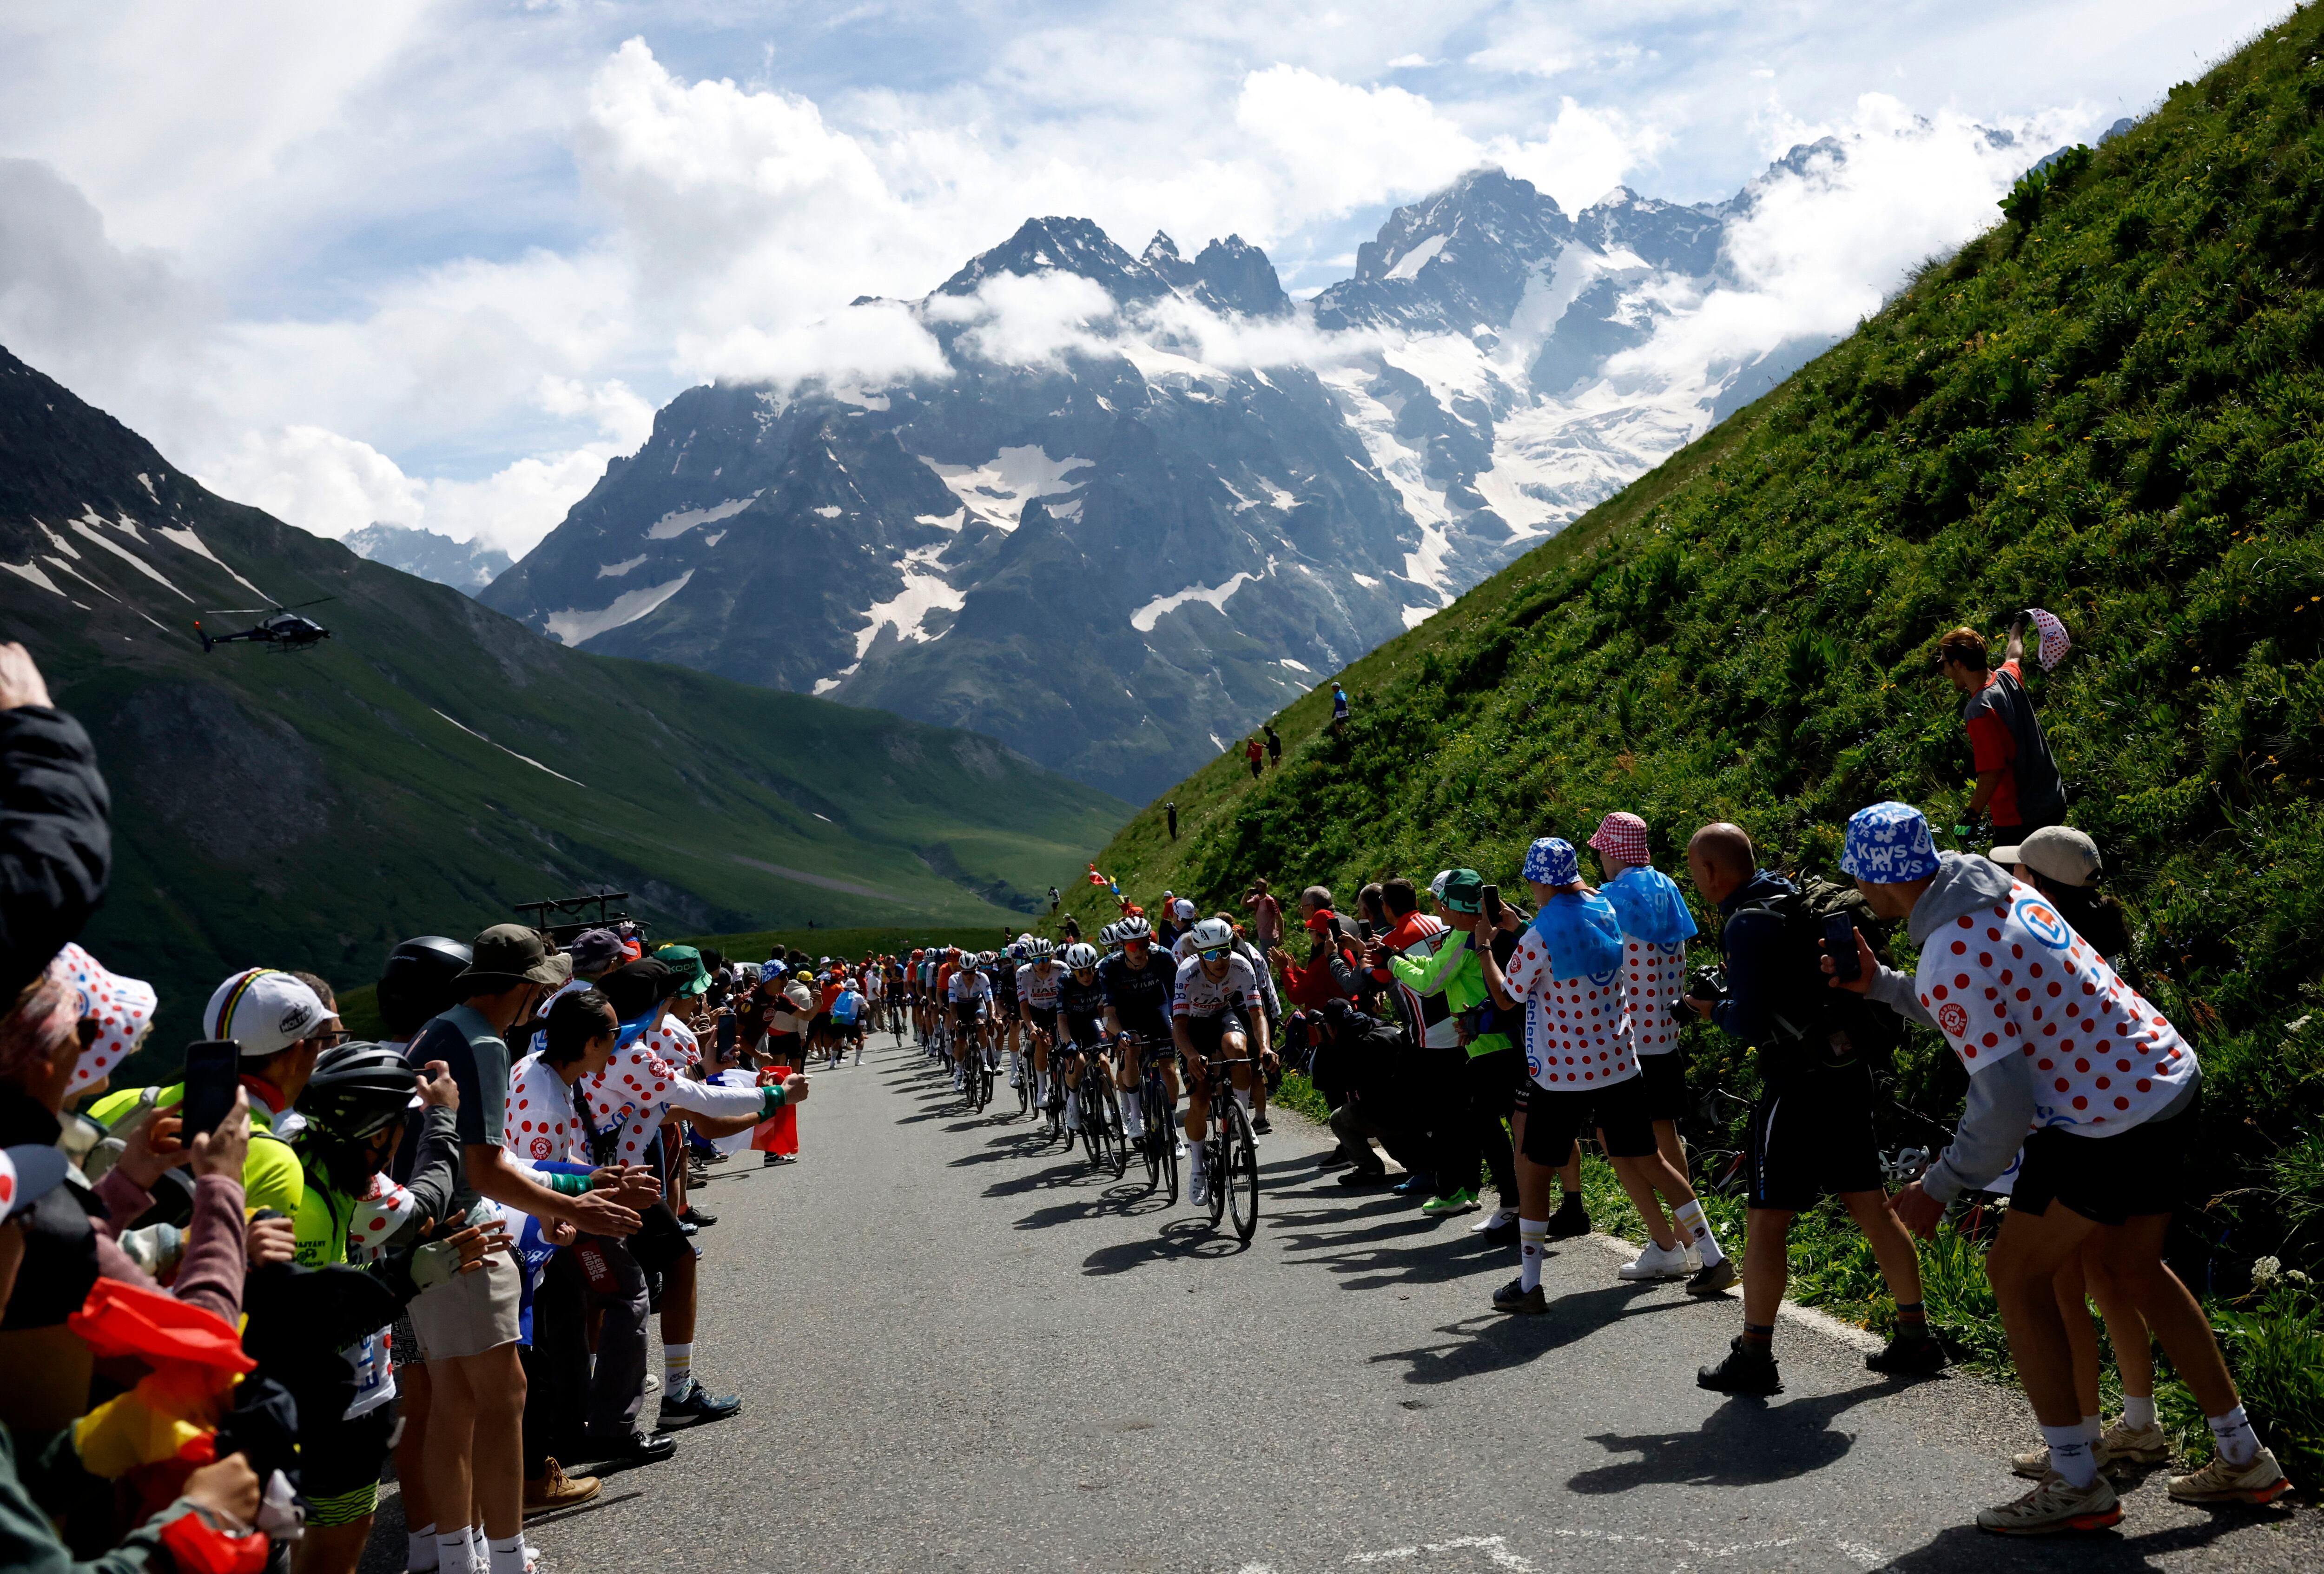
(1819,1027)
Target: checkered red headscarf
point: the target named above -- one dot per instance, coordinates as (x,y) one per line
(1623,838)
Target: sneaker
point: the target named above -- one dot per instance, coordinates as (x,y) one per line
(2260,1481)
(1714,1280)
(1570,1220)
(1745,1371)
(1415,1181)
(2054,1506)
(1198,1187)
(553,1489)
(1260,1125)
(694,1215)
(2124,1441)
(1363,1177)
(1494,1220)
(1446,1207)
(1333,1160)
(1504,1234)
(1908,1358)
(1516,1299)
(770,1161)
(1656,1262)
(692,1402)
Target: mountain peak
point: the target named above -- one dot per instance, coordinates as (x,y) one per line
(1161,254)
(1062,246)
(1235,274)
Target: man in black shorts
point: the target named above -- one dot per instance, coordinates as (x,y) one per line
(1811,1133)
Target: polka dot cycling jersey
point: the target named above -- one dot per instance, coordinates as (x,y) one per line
(382,1209)
(540,1127)
(1653,977)
(1577,1030)
(2016,980)
(1040,992)
(633,1092)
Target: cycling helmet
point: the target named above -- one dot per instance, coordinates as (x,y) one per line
(1211,934)
(1132,929)
(1040,950)
(357,1090)
(416,983)
(1081,956)
(1110,936)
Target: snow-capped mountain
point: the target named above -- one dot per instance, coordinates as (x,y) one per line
(467,566)
(1147,500)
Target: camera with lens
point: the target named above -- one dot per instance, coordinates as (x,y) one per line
(1703,984)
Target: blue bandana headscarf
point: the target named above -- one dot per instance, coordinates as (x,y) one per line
(1552,861)
(1649,905)
(1888,844)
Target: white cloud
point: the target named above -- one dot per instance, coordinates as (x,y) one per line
(1338,147)
(1029,320)
(1586,154)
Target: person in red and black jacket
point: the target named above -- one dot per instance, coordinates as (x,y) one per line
(1333,963)
(2018,782)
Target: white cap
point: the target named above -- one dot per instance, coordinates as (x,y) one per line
(1183,912)
(1436,886)
(263,1010)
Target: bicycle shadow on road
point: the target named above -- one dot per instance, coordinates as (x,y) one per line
(1181,1239)
(1745,1442)
(1493,1342)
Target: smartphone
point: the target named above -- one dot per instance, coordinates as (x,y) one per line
(212,1074)
(728,1027)
(1491,900)
(1840,944)
(1364,930)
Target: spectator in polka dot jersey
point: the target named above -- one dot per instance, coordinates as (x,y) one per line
(2057,1044)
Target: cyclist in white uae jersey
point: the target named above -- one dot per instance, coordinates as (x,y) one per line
(1040,983)
(969,995)
(1214,1013)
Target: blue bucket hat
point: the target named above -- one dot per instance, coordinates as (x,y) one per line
(1552,861)
(1889,843)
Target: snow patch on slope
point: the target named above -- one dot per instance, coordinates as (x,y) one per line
(999,488)
(574,625)
(678,522)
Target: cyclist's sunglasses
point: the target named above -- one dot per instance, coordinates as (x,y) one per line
(1215,952)
(1140,941)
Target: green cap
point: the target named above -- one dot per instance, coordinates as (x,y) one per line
(685,963)
(1464,890)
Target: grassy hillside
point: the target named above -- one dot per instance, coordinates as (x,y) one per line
(434,762)
(2108,406)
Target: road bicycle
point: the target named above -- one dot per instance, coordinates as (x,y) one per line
(1101,1133)
(1229,1151)
(1158,1112)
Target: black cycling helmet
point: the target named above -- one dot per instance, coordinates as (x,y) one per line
(357,1090)
(416,983)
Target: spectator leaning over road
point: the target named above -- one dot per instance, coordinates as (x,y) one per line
(1811,1133)
(2018,782)
(474,1456)
(1364,1068)
(2062,863)
(2054,1041)
(1333,963)
(1472,1135)
(1655,928)
(56,844)
(1447,976)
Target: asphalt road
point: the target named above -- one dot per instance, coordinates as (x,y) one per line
(963,1351)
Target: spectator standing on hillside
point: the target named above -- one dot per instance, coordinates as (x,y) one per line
(1274,744)
(1810,1133)
(1170,812)
(2110,1093)
(1338,708)
(1054,898)
(1255,751)
(2018,782)
(1266,916)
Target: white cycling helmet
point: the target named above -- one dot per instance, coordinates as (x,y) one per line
(1040,950)
(1080,956)
(1211,934)
(1111,934)
(1132,929)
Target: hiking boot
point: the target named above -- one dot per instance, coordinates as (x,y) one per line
(1446,1207)
(553,1489)
(1656,1262)
(1514,1297)
(1746,1371)
(2125,1441)
(1714,1280)
(1571,1219)
(1920,1356)
(2260,1481)
(2055,1506)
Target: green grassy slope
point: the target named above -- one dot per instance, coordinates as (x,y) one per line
(2108,406)
(310,810)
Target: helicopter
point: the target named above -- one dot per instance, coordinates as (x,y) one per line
(285,631)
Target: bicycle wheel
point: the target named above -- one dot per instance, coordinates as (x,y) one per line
(1163,1129)
(1092,1137)
(1110,1106)
(1241,1178)
(1156,1141)
(1025,1080)
(1214,1168)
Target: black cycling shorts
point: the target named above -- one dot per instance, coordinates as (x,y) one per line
(1044,1017)
(1665,1076)
(1811,1137)
(963,1012)
(1204,1033)
(1009,1011)
(2108,1180)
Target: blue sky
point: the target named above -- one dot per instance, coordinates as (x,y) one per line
(435,262)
